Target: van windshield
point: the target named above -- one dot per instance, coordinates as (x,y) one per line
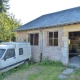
(2,52)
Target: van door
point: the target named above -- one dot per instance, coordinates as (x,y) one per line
(21,56)
(9,59)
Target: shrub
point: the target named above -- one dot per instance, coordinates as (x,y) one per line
(50,62)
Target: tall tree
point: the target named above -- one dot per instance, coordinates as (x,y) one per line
(7,24)
(4,5)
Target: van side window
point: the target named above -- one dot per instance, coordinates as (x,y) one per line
(10,53)
(20,51)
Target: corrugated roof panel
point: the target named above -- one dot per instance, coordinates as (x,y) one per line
(53,19)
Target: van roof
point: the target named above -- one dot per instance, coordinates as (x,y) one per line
(6,46)
(13,43)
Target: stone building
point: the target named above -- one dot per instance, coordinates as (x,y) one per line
(55,36)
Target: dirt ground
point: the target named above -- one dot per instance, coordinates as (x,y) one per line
(23,74)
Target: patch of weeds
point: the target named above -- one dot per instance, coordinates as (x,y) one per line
(58,63)
(7,73)
(1,76)
(50,62)
(75,75)
(46,62)
(21,67)
(71,67)
(31,62)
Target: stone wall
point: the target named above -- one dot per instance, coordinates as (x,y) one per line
(35,50)
(52,53)
(64,49)
(59,52)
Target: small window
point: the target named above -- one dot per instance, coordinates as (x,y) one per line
(33,38)
(50,38)
(20,51)
(10,53)
(55,34)
(53,39)
(36,39)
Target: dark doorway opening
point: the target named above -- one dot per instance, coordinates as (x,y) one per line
(74,44)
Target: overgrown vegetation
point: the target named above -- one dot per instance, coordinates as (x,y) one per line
(47,62)
(6,74)
(7,23)
(45,70)
(40,68)
(4,6)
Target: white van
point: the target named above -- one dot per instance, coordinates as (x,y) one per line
(13,54)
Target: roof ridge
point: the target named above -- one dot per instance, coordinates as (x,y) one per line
(62,10)
(65,17)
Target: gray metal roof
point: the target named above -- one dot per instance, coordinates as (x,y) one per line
(60,18)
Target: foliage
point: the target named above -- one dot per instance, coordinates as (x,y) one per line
(4,5)
(39,71)
(7,24)
(24,40)
(5,74)
(50,62)
(31,62)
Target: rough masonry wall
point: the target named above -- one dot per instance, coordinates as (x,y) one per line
(52,52)
(21,36)
(64,49)
(65,39)
(35,50)
(59,52)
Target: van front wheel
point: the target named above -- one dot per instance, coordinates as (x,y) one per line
(26,62)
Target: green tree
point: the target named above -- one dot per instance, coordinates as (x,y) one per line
(7,24)
(4,5)
(14,23)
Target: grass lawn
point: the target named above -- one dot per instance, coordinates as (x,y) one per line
(39,71)
(46,73)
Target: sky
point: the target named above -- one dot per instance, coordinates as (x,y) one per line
(27,10)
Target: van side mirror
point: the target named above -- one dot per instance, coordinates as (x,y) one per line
(5,57)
